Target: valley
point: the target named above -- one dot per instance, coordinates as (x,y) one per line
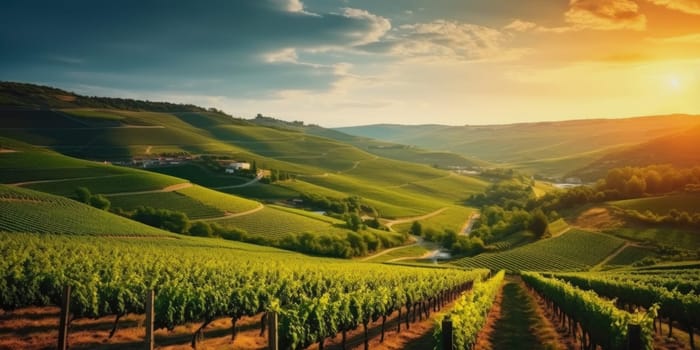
(366,241)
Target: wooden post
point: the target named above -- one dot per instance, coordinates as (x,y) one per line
(149,341)
(447,333)
(272,339)
(65,314)
(634,337)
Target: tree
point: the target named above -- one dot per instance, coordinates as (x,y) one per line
(201,229)
(354,222)
(416,228)
(82,194)
(539,224)
(449,238)
(100,202)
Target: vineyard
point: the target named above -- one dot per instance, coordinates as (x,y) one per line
(470,312)
(195,201)
(574,250)
(315,298)
(274,223)
(23,210)
(600,322)
(130,182)
(672,292)
(453,218)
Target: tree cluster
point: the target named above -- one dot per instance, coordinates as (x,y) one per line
(98,201)
(625,183)
(507,207)
(673,218)
(449,239)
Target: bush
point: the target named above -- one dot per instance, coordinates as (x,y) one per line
(201,229)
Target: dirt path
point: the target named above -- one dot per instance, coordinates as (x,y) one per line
(256,179)
(63,180)
(386,251)
(171,188)
(612,256)
(467,227)
(233,215)
(515,322)
(390,223)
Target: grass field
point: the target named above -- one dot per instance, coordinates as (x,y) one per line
(403,252)
(199,175)
(167,200)
(680,238)
(273,223)
(557,227)
(130,182)
(453,218)
(574,250)
(219,200)
(630,255)
(663,204)
(23,210)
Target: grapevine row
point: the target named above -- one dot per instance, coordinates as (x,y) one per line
(470,313)
(600,321)
(201,283)
(673,304)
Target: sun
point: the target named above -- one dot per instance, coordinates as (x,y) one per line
(674,83)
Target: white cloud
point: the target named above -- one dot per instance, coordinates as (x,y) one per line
(520,26)
(451,39)
(378,26)
(287,55)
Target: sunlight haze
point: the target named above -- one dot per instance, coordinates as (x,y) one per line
(352,62)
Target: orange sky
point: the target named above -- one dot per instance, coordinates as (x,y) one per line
(351,62)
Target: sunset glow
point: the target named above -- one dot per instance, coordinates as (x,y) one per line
(348,62)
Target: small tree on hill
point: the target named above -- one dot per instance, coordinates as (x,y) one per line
(83,195)
(416,228)
(539,224)
(100,202)
(201,229)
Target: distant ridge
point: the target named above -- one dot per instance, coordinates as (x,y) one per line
(32,96)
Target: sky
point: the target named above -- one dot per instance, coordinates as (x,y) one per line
(356,62)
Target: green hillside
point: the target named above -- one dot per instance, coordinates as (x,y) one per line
(394,187)
(574,250)
(23,210)
(548,148)
(679,149)
(661,205)
(48,171)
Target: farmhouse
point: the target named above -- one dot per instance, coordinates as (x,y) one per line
(238,165)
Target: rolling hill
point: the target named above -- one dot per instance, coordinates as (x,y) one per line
(90,130)
(679,149)
(551,149)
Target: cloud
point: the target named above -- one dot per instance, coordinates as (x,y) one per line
(288,55)
(687,6)
(376,26)
(445,39)
(520,26)
(218,46)
(605,15)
